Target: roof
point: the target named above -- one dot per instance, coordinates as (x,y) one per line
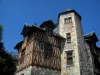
(91,36)
(18,45)
(69,11)
(25,29)
(34,26)
(48,24)
(57,35)
(28,28)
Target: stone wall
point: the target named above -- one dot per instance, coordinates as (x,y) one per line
(38,71)
(44,71)
(86,64)
(69,28)
(85,58)
(26,71)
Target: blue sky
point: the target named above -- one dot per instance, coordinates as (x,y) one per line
(14,13)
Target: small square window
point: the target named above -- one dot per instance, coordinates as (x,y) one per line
(68,37)
(68,20)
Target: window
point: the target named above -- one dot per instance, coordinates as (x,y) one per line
(68,20)
(49,33)
(68,37)
(69,57)
(22,56)
(47,51)
(41,45)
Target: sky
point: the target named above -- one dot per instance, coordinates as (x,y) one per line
(15,13)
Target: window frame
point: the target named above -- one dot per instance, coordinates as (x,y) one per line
(41,45)
(48,49)
(70,57)
(68,20)
(68,37)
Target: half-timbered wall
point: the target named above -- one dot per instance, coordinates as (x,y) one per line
(38,57)
(34,46)
(28,56)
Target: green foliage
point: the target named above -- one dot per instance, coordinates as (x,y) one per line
(7,60)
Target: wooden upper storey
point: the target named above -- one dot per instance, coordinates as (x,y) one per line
(40,47)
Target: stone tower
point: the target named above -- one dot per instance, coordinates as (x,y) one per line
(75,55)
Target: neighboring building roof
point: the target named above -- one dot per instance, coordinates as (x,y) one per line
(69,11)
(91,37)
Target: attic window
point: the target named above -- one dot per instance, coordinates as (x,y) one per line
(68,20)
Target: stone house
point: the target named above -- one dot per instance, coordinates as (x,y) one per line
(58,49)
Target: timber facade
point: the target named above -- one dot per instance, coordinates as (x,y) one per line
(41,47)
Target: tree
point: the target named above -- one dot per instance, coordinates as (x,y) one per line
(7,60)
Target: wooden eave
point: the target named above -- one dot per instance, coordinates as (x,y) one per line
(30,28)
(18,45)
(34,29)
(25,29)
